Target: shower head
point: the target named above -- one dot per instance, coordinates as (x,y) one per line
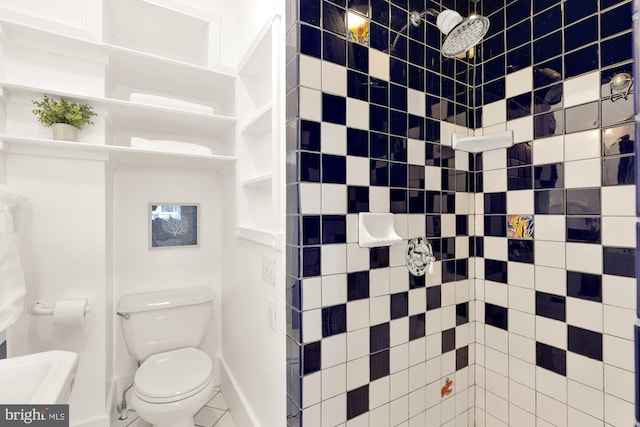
(461,34)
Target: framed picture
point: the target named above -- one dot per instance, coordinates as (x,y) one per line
(173,225)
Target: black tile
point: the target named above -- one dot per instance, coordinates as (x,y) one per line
(581,34)
(334,48)
(585,342)
(416,281)
(583,201)
(551,306)
(398,175)
(334,169)
(379,338)
(416,201)
(618,171)
(584,286)
(618,140)
(311,357)
(432,205)
(310,41)
(357,199)
(334,109)
(448,340)
(358,57)
(379,91)
(379,145)
(519,58)
(615,21)
(416,127)
(495,225)
(357,285)
(495,203)
(380,12)
(379,170)
(551,358)
(334,19)
(398,71)
(520,154)
(547,22)
(462,357)
(547,47)
(357,401)
(493,91)
(497,316)
(549,202)
(583,229)
(521,251)
(615,50)
(398,149)
(416,78)
(416,326)
(334,320)
(495,271)
(357,85)
(310,12)
(582,117)
(399,305)
(462,269)
(619,261)
(309,135)
(519,106)
(310,262)
(549,176)
(494,68)
(309,167)
(448,270)
(462,225)
(520,178)
(398,97)
(416,176)
(493,48)
(578,9)
(379,365)
(462,313)
(334,229)
(581,61)
(398,201)
(479,246)
(379,118)
(547,124)
(448,248)
(434,297)
(311,230)
(448,202)
(539,5)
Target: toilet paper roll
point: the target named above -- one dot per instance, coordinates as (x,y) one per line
(69,312)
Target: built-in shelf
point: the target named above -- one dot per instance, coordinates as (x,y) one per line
(376,229)
(118,155)
(260,123)
(477,144)
(263,237)
(259,182)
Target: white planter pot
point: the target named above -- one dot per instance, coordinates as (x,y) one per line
(64,132)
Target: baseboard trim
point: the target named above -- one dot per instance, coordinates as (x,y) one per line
(102,421)
(238,404)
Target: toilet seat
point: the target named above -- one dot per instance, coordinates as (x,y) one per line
(172,376)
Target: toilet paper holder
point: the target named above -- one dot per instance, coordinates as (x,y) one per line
(41,308)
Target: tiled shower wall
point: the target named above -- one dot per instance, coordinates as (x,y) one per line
(368,131)
(555,314)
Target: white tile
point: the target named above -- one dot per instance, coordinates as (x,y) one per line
(378,282)
(379,392)
(399,331)
(310,104)
(357,314)
(357,258)
(523,347)
(448,225)
(357,171)
(586,399)
(399,279)
(310,72)
(550,254)
(551,384)
(461,160)
(551,410)
(495,181)
(494,113)
(521,274)
(580,419)
(448,294)
(378,64)
(379,417)
(416,102)
(551,280)
(494,159)
(357,114)
(522,299)
(523,396)
(417,375)
(617,412)
(551,332)
(582,145)
(334,411)
(521,418)
(313,415)
(582,173)
(496,361)
(417,404)
(619,231)
(416,152)
(417,351)
(334,381)
(519,82)
(619,383)
(618,200)
(357,343)
(311,389)
(619,321)
(548,150)
(584,314)
(311,326)
(359,421)
(416,226)
(334,199)
(378,199)
(334,79)
(618,352)
(497,407)
(433,178)
(379,309)
(585,370)
(334,351)
(446,132)
(522,129)
(333,259)
(310,198)
(417,301)
(399,411)
(584,257)
(619,291)
(312,293)
(520,202)
(334,289)
(497,339)
(582,89)
(357,373)
(550,227)
(399,384)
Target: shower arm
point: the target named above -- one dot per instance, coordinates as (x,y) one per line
(416,17)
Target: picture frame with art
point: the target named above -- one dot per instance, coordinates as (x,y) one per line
(174,225)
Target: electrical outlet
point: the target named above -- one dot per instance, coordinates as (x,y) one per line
(269,270)
(271,313)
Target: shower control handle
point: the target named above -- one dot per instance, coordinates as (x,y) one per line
(420,257)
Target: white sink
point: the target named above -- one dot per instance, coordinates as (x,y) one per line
(39,378)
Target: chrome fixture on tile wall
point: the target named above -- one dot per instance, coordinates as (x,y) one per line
(620,86)
(420,258)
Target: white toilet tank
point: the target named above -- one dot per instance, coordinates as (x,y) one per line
(165,320)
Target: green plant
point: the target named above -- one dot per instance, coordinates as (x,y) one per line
(50,111)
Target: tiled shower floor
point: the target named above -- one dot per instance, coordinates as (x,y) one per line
(214,414)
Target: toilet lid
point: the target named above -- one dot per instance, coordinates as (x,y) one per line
(174,373)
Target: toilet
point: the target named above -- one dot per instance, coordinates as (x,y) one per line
(162,331)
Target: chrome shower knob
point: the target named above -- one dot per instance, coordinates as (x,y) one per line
(420,256)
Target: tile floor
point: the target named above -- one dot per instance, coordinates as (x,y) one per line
(214,414)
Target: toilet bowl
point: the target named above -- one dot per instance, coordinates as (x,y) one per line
(162,331)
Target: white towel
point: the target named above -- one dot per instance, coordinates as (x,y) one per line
(12,285)
(165,101)
(169,146)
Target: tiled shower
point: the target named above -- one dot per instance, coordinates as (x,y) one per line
(530,328)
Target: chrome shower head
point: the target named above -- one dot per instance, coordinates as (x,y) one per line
(461,34)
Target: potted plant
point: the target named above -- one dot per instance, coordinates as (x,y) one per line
(63,116)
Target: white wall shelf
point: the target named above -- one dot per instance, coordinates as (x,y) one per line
(263,237)
(116,155)
(260,123)
(259,181)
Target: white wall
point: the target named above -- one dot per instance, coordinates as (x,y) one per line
(62,245)
(140,269)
